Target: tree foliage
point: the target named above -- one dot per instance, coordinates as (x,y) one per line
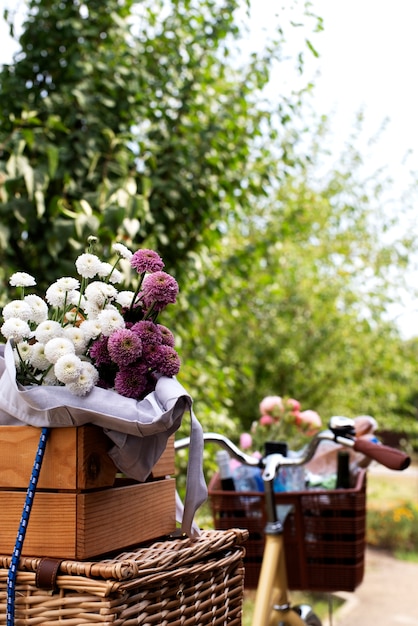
(294,301)
(131,122)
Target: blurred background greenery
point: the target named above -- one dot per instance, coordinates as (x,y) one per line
(145,123)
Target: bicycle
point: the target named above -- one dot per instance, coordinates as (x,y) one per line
(272,601)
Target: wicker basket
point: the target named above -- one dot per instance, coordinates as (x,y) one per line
(177,581)
(324,533)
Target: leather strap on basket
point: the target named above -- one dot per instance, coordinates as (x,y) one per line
(46,573)
(17,551)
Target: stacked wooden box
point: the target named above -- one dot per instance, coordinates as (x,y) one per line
(81,509)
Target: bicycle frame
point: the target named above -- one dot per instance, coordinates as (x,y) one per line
(272,603)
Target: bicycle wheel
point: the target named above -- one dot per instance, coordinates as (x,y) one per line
(309,617)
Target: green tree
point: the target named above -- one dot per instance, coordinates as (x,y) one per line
(129,122)
(293,302)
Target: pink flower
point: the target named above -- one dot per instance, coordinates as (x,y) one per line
(293,405)
(168,361)
(167,335)
(146,261)
(271,405)
(124,346)
(309,421)
(99,352)
(266,420)
(158,290)
(148,332)
(151,355)
(131,381)
(245,441)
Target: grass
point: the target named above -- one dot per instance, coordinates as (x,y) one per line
(411,557)
(392,512)
(386,489)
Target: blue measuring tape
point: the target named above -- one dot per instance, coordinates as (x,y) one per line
(17,551)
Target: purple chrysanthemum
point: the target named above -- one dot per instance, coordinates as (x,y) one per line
(167,336)
(158,290)
(99,352)
(132,381)
(148,332)
(124,346)
(151,355)
(146,261)
(168,361)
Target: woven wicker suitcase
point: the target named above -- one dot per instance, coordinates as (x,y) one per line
(179,581)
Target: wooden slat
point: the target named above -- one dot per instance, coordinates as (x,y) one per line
(165,466)
(75,458)
(124,516)
(51,529)
(83,526)
(95,468)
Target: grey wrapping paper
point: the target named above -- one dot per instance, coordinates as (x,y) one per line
(138,429)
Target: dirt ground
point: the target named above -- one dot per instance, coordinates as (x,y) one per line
(386,597)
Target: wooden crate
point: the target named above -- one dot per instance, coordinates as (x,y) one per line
(81,508)
(75,458)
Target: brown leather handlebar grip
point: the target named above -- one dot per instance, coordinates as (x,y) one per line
(387,456)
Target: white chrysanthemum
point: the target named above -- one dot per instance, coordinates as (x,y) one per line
(86,381)
(116,277)
(57,347)
(88,265)
(95,294)
(98,294)
(68,283)
(39,309)
(110,320)
(110,291)
(105,269)
(91,311)
(24,350)
(15,328)
(75,297)
(76,335)
(22,279)
(124,298)
(17,308)
(91,329)
(48,330)
(56,295)
(38,359)
(68,368)
(122,251)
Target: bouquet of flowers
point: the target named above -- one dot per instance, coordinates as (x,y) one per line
(90,353)
(86,333)
(281,419)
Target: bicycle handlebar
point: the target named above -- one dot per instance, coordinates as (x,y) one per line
(342,433)
(389,457)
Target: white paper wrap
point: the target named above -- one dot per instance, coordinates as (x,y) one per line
(139,429)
